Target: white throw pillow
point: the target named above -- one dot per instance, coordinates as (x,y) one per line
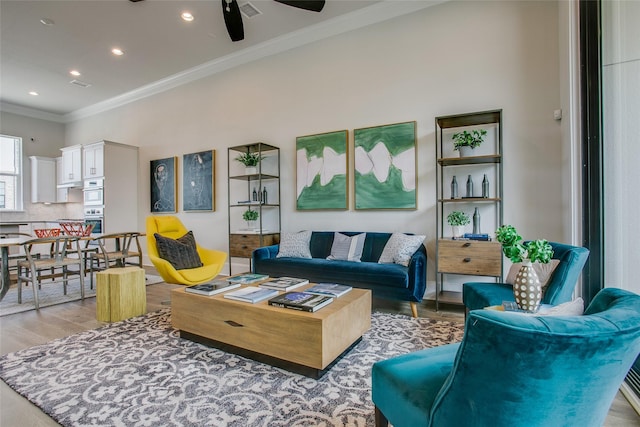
(544,272)
(294,245)
(347,248)
(399,249)
(571,308)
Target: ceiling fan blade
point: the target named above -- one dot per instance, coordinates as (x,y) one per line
(233,19)
(312,5)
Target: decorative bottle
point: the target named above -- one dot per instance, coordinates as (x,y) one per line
(485,186)
(476,222)
(264,195)
(255,195)
(454,188)
(469,186)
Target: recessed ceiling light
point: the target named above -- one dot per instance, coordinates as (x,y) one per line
(187,16)
(33,93)
(47,21)
(117,51)
(75,73)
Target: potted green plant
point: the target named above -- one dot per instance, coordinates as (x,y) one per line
(250,216)
(457,220)
(466,141)
(527,289)
(250,161)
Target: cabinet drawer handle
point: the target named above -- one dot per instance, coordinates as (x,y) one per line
(466,245)
(244,236)
(466,260)
(244,246)
(234,324)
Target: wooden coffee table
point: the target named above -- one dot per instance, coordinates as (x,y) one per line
(306,343)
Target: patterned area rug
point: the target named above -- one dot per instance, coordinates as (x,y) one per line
(51,293)
(139,372)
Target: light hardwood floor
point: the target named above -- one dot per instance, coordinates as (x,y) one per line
(25,330)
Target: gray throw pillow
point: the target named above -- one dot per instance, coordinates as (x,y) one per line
(181,252)
(347,248)
(399,249)
(294,245)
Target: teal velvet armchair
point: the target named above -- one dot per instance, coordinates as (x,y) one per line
(571,259)
(513,369)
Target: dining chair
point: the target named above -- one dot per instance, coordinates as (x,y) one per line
(51,254)
(115,250)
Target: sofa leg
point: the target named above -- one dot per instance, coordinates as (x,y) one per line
(414,308)
(381,420)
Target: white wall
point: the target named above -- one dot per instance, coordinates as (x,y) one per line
(453,58)
(39,138)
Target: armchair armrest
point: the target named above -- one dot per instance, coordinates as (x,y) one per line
(418,274)
(265,252)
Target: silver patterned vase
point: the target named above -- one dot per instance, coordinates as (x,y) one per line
(527,289)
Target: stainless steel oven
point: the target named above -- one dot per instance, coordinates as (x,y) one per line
(93,192)
(95,216)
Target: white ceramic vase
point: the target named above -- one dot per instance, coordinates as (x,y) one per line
(457,230)
(250,170)
(527,289)
(465,151)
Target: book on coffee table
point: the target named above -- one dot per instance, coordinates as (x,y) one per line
(252,294)
(211,288)
(285,284)
(247,279)
(302,301)
(330,289)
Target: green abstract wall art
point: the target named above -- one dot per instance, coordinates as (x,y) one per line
(385,166)
(321,171)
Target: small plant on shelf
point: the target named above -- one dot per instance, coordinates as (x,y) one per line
(458,218)
(471,139)
(250,215)
(250,159)
(535,251)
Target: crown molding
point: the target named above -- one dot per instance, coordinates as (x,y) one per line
(378,12)
(31,112)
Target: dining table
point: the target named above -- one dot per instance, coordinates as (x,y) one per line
(5,244)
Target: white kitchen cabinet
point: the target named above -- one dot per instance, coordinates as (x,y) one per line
(72,166)
(62,194)
(43,179)
(93,160)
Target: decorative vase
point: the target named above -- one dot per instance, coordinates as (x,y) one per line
(457,230)
(527,289)
(251,225)
(250,170)
(465,151)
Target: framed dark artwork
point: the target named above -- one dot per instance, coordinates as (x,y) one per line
(385,166)
(321,171)
(198,189)
(163,184)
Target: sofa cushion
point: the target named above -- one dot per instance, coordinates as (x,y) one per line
(182,252)
(294,245)
(400,248)
(347,248)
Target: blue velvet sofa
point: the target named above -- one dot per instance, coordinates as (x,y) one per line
(516,370)
(390,281)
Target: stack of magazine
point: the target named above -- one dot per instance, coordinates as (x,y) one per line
(302,301)
(330,289)
(211,288)
(285,284)
(247,279)
(251,294)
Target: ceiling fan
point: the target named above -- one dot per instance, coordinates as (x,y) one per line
(233,18)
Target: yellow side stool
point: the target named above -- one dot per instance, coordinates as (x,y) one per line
(120,294)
